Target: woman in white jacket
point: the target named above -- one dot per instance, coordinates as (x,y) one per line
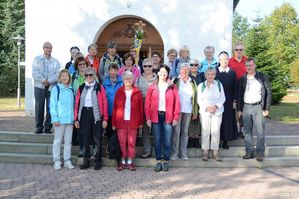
(210,99)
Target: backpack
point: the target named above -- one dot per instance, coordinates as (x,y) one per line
(58,92)
(203,86)
(113,148)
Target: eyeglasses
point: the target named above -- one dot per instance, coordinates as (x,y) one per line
(147,66)
(88,75)
(238,49)
(193,65)
(83,64)
(48,47)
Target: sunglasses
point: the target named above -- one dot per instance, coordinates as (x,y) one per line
(238,49)
(88,75)
(147,66)
(193,64)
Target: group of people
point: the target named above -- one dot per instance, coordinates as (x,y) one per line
(177,102)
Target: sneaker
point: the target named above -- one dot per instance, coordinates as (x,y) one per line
(80,155)
(185,158)
(132,167)
(259,158)
(145,155)
(165,166)
(241,135)
(248,156)
(57,165)
(158,167)
(68,164)
(173,157)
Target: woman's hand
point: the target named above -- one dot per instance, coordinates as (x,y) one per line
(104,124)
(56,123)
(77,125)
(174,123)
(149,123)
(113,128)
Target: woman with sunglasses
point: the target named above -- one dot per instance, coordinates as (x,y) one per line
(194,126)
(91,115)
(143,82)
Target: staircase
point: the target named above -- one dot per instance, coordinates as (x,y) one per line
(24,147)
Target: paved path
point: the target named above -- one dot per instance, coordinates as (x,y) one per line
(42,181)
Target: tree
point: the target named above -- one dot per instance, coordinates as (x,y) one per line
(241,27)
(12,23)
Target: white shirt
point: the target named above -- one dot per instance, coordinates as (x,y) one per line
(253,91)
(88,101)
(162,101)
(210,96)
(128,105)
(221,70)
(186,93)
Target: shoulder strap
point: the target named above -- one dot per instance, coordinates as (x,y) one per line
(74,76)
(176,63)
(203,86)
(58,92)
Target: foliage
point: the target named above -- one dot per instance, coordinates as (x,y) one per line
(12,23)
(240,27)
(294,71)
(273,41)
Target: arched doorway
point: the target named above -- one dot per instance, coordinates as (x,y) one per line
(122,33)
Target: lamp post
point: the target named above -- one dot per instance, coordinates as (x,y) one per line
(19,40)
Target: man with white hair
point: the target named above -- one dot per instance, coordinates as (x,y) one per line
(188,108)
(45,70)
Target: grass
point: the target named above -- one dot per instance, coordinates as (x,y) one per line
(288,110)
(10,104)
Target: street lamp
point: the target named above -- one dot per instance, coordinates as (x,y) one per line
(19,40)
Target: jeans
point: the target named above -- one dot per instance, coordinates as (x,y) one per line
(62,132)
(253,116)
(162,134)
(42,95)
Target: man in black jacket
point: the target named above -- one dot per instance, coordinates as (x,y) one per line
(254,102)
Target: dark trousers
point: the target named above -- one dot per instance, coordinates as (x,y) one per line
(42,95)
(109,129)
(89,129)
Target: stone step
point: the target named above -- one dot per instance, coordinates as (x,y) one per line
(232,162)
(13,136)
(44,148)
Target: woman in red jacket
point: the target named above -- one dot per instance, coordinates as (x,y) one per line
(162,111)
(127,117)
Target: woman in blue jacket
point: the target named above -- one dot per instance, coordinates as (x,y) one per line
(62,115)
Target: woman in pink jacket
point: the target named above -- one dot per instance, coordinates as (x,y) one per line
(162,110)
(129,65)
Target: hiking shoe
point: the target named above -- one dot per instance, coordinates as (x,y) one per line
(205,157)
(259,158)
(132,167)
(145,155)
(68,164)
(248,156)
(165,166)
(120,167)
(57,165)
(216,157)
(158,167)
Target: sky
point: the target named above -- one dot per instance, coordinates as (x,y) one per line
(249,8)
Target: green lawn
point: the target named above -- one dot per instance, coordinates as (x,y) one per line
(288,110)
(10,104)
